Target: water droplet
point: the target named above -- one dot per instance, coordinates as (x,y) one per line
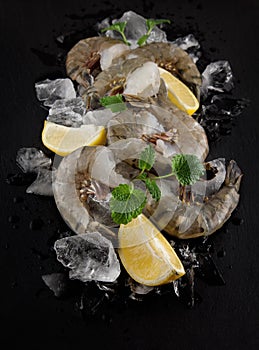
(36,224)
(237,221)
(221,253)
(18,199)
(13,219)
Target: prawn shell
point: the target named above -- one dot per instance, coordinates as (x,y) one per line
(170,57)
(84,58)
(187,221)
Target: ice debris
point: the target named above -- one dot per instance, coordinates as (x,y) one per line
(31,159)
(218,113)
(57,283)
(68,112)
(189,44)
(98,117)
(135,28)
(217,76)
(138,288)
(43,183)
(90,256)
(51,90)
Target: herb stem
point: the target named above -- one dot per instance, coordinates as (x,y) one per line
(162,177)
(125,39)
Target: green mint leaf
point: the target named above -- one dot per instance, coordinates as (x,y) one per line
(118,27)
(126,203)
(187,168)
(142,40)
(115,103)
(153,189)
(142,176)
(147,158)
(151,23)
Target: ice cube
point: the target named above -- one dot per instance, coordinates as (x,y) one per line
(138,288)
(32,159)
(43,183)
(218,113)
(90,256)
(135,28)
(57,282)
(51,90)
(67,112)
(99,117)
(217,76)
(189,44)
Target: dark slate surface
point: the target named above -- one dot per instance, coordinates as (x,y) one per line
(227,316)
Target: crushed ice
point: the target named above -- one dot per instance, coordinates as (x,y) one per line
(67,112)
(50,91)
(57,283)
(32,159)
(43,184)
(89,256)
(217,76)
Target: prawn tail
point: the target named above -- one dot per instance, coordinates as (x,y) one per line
(234,175)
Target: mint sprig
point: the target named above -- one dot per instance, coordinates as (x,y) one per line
(120,28)
(150,24)
(115,103)
(127,202)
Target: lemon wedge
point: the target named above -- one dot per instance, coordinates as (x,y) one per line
(146,255)
(63,140)
(178,93)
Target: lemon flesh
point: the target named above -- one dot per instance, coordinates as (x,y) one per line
(64,140)
(146,255)
(178,93)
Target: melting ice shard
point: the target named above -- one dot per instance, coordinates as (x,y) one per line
(31,159)
(189,44)
(67,112)
(217,76)
(43,183)
(51,90)
(90,256)
(57,282)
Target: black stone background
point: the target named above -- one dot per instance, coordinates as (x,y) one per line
(227,317)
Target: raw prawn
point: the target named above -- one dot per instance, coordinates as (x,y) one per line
(191,220)
(89,55)
(171,130)
(170,57)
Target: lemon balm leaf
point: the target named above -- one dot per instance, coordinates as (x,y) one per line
(151,23)
(115,103)
(187,168)
(141,41)
(126,203)
(147,158)
(153,189)
(120,28)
